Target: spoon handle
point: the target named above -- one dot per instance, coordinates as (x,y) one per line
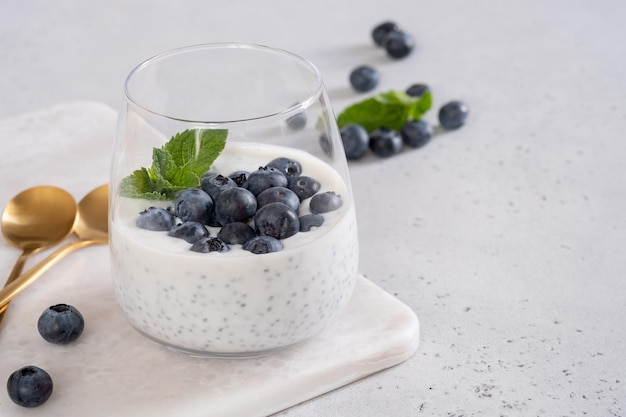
(15,272)
(27,278)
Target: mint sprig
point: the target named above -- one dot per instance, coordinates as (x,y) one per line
(391,109)
(177,165)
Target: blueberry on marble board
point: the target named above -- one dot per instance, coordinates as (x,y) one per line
(385,142)
(240,177)
(156,219)
(263,244)
(61,324)
(30,386)
(417,90)
(276,220)
(325,202)
(364,78)
(453,114)
(382,30)
(297,121)
(416,133)
(193,204)
(355,140)
(190,231)
(399,44)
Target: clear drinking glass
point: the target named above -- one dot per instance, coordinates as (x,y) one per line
(267,104)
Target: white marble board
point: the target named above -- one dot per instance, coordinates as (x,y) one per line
(112,370)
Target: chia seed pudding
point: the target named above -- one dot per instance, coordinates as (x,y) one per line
(236,304)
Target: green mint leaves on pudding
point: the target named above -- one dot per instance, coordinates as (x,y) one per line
(391,109)
(178,165)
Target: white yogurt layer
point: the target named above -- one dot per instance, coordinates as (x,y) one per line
(236,303)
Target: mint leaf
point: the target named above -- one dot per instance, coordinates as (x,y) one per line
(391,109)
(177,165)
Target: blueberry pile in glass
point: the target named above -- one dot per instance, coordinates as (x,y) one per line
(256,209)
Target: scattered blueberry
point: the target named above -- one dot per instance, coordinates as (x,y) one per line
(308,221)
(297,121)
(355,140)
(278,195)
(417,90)
(193,204)
(235,205)
(364,78)
(156,219)
(381,31)
(416,133)
(240,177)
(210,244)
(453,114)
(263,244)
(304,187)
(236,233)
(385,142)
(190,231)
(399,44)
(325,202)
(265,177)
(213,184)
(289,167)
(276,220)
(61,324)
(29,386)
(326,144)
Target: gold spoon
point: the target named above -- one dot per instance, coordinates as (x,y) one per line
(91,227)
(35,219)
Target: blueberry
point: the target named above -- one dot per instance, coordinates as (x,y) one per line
(278,195)
(156,219)
(61,324)
(190,231)
(276,220)
(364,78)
(235,205)
(355,140)
(308,221)
(193,204)
(236,233)
(213,184)
(304,187)
(265,177)
(399,44)
(325,202)
(326,145)
(297,121)
(210,244)
(417,90)
(29,386)
(385,142)
(289,167)
(416,133)
(452,115)
(263,244)
(382,30)
(240,177)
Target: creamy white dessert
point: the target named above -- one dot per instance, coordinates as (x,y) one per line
(236,303)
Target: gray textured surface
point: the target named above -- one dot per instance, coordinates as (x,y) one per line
(506,237)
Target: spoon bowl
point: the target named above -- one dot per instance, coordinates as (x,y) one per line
(91,227)
(35,219)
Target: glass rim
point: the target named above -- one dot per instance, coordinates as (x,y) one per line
(295,108)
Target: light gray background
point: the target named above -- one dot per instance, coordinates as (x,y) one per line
(506,237)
